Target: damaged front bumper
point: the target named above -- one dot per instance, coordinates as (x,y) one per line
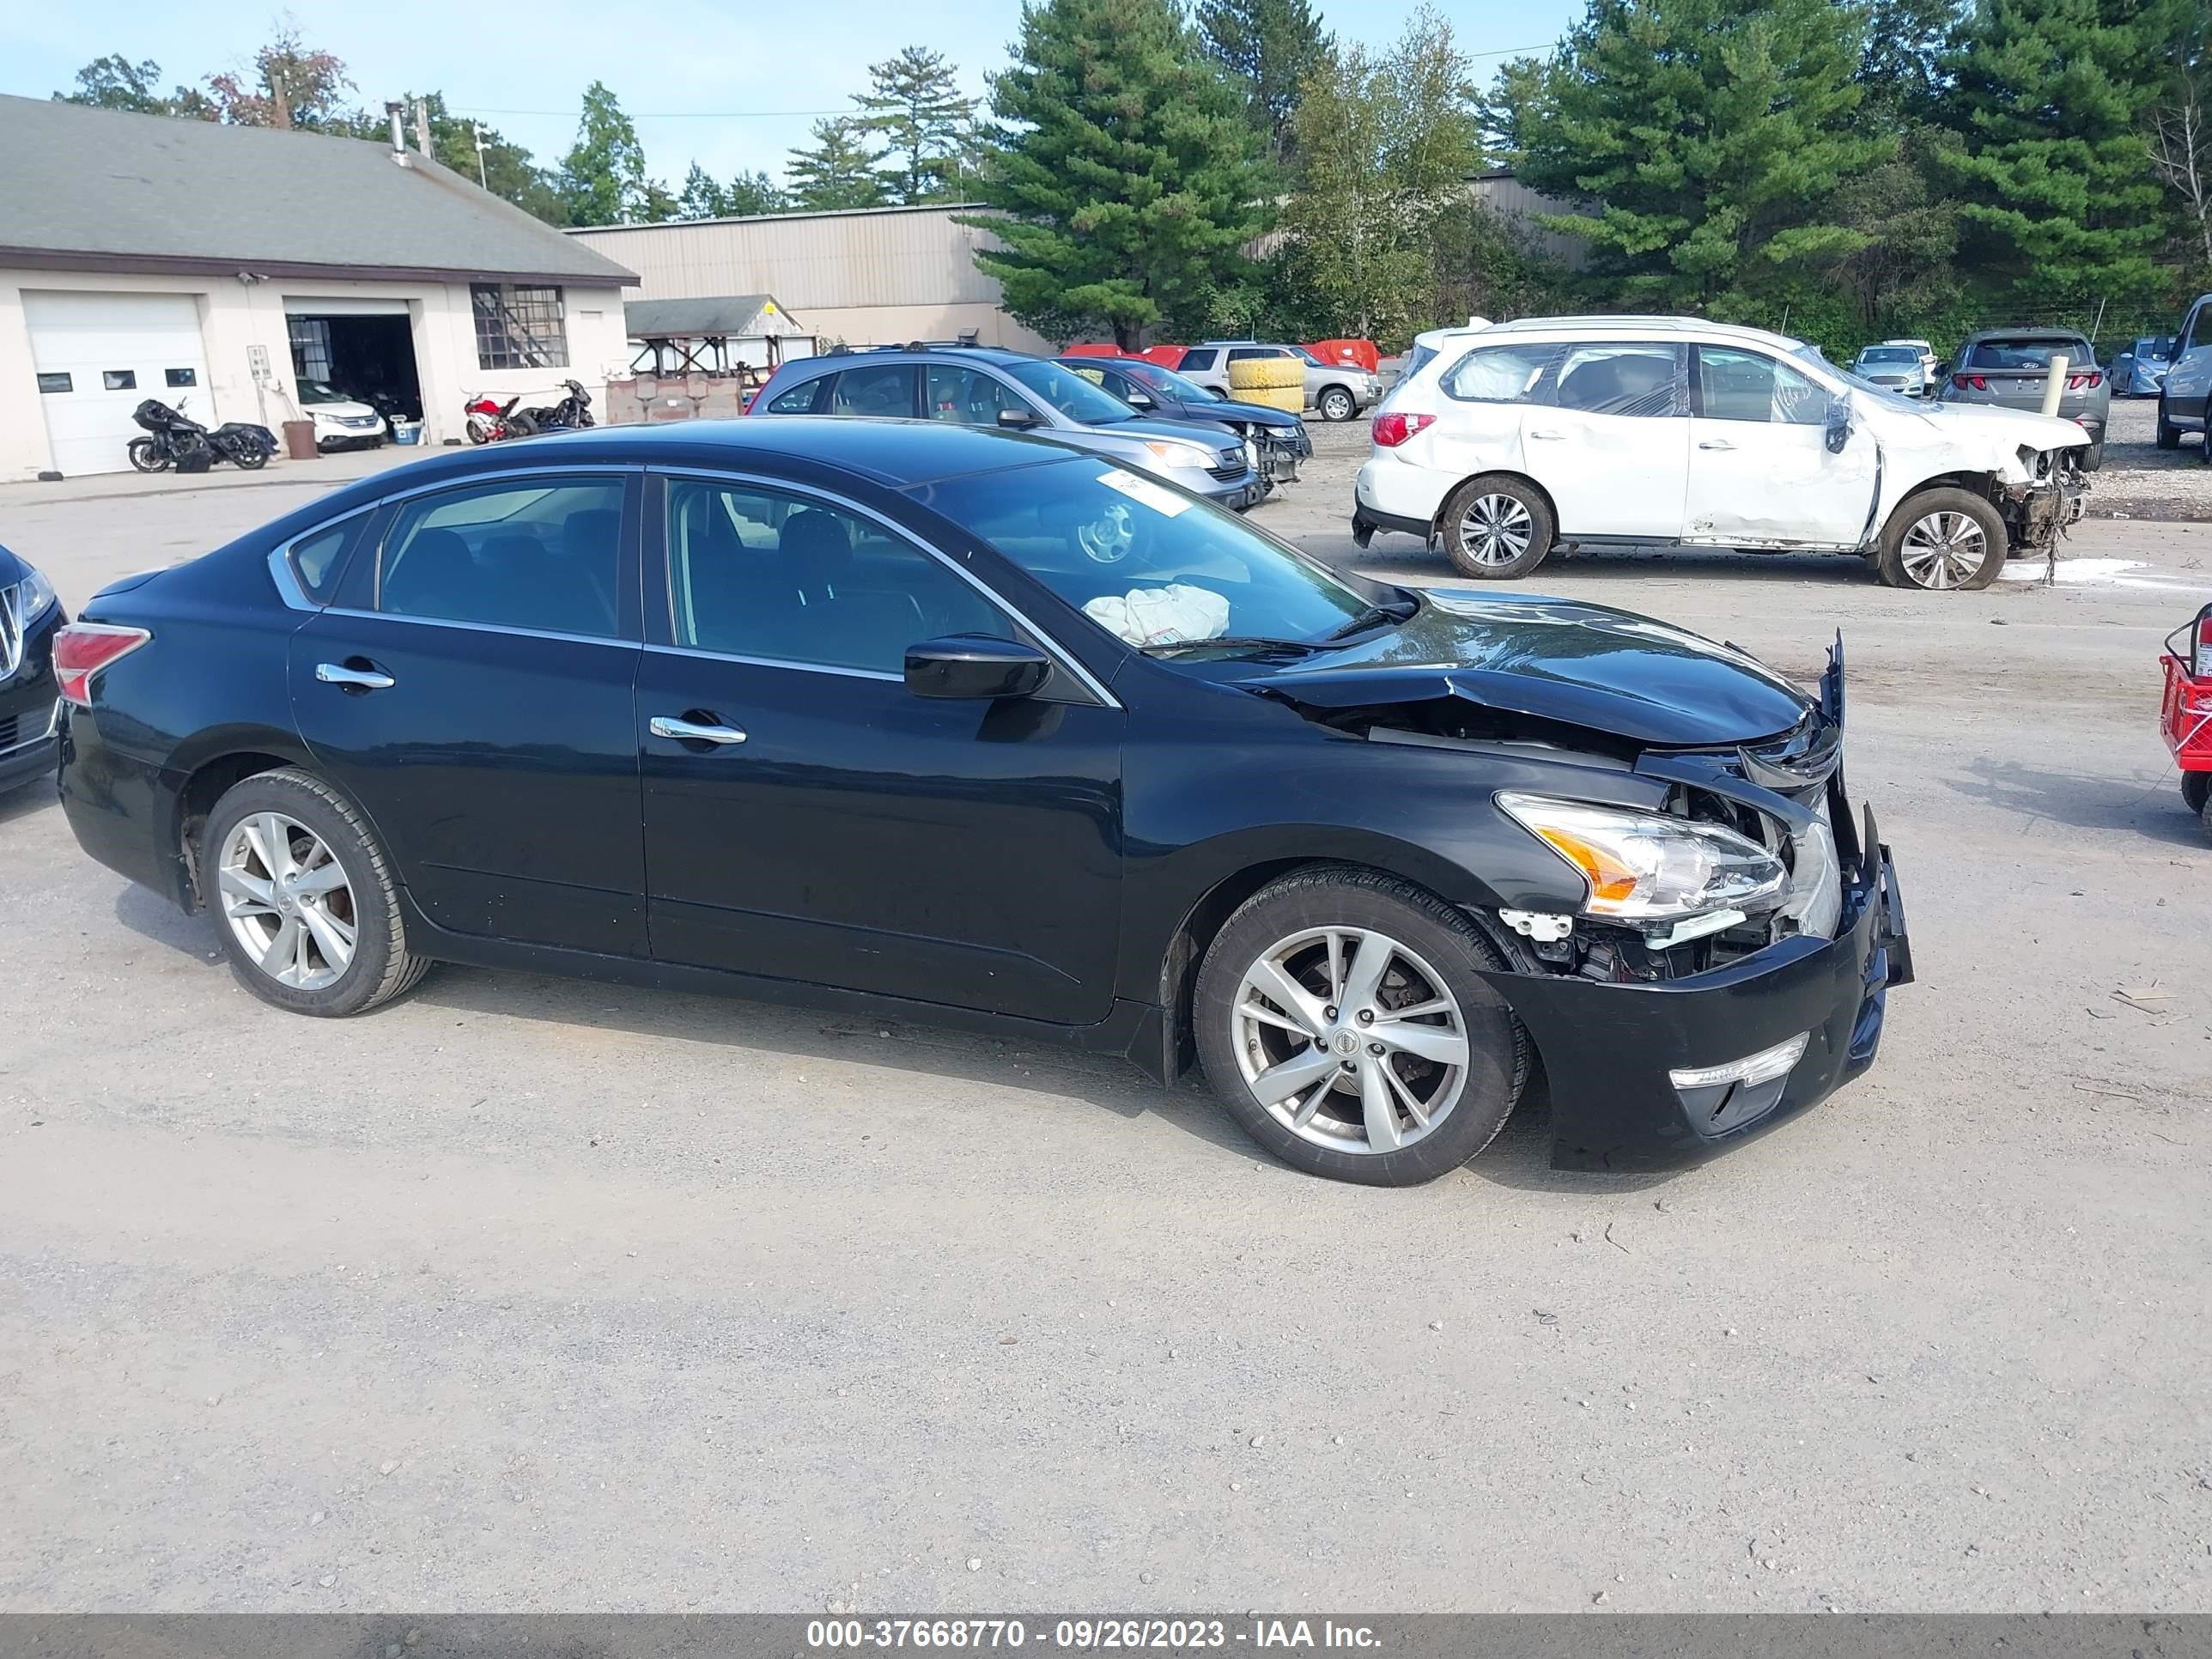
(2036,514)
(1611,1051)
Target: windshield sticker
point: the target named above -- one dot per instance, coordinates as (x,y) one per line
(1164,502)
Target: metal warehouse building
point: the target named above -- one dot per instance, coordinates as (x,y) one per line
(872,276)
(216,267)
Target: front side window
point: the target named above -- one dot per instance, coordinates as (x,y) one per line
(1071,394)
(804,398)
(517,326)
(1500,373)
(765,573)
(1640,377)
(885,391)
(534,554)
(964,397)
(1150,566)
(1735,385)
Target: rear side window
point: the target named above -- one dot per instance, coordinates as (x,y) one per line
(1253,354)
(802,400)
(1197,358)
(1498,374)
(1643,377)
(884,390)
(539,554)
(2028,353)
(319,558)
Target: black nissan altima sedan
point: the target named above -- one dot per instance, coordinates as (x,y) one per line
(973,728)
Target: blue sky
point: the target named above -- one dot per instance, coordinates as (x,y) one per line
(523,67)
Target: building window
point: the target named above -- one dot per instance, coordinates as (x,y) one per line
(119,380)
(518,327)
(181,376)
(55,383)
(311,347)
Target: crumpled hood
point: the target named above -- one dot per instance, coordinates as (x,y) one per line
(1555,659)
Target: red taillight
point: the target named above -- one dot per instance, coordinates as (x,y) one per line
(1392,430)
(1963,381)
(82,649)
(2076,382)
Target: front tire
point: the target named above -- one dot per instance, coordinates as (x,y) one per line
(147,456)
(1942,540)
(1336,405)
(1342,1017)
(2169,435)
(1497,529)
(251,457)
(2197,791)
(303,898)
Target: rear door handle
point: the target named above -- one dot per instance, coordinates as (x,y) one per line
(365,679)
(1715,443)
(1547,434)
(667,726)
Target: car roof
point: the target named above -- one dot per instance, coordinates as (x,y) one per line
(1620,324)
(846,356)
(2026,334)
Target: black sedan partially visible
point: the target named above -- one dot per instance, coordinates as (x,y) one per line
(975,728)
(1280,435)
(30,614)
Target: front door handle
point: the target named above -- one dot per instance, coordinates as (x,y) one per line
(1548,433)
(667,726)
(1714,443)
(362,679)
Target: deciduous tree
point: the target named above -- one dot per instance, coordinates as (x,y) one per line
(115,83)
(603,175)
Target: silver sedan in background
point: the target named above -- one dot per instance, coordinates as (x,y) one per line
(2140,371)
(1894,367)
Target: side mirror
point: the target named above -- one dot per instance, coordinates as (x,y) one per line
(1018,418)
(1137,399)
(971,666)
(1838,424)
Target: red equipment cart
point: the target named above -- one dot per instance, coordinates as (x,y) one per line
(2185,715)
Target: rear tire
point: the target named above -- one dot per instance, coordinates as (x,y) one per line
(1321,922)
(2169,435)
(1934,537)
(2094,457)
(147,456)
(251,457)
(276,828)
(1497,528)
(2197,790)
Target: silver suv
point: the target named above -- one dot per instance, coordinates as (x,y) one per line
(1336,391)
(985,385)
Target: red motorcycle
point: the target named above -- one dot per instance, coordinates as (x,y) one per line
(490,420)
(2186,715)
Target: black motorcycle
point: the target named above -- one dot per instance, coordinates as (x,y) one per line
(572,412)
(175,439)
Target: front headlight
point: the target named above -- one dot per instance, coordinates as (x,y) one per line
(1175,454)
(33,595)
(1646,867)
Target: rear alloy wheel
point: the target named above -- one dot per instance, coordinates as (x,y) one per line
(305,904)
(1336,404)
(1343,1021)
(1496,529)
(1942,540)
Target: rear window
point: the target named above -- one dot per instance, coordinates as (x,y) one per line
(2028,353)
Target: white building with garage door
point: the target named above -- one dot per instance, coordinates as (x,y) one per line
(242,272)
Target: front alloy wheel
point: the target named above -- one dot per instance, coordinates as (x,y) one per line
(1943,540)
(1351,1040)
(1336,405)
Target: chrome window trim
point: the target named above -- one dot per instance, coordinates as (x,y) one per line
(776,662)
(286,578)
(479,627)
(1053,649)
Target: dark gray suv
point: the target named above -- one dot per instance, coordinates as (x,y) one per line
(982,385)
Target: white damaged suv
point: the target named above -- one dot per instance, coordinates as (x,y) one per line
(1514,439)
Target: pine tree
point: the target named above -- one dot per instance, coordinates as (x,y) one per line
(700,196)
(1708,136)
(1128,178)
(1270,47)
(2051,100)
(751,194)
(915,108)
(603,176)
(838,172)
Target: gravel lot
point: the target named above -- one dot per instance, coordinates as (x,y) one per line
(522,1293)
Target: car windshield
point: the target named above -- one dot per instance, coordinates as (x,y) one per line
(1889,355)
(1305,356)
(2027,353)
(1890,395)
(320,392)
(1071,394)
(1167,381)
(1153,567)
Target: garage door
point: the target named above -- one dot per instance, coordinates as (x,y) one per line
(99,356)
